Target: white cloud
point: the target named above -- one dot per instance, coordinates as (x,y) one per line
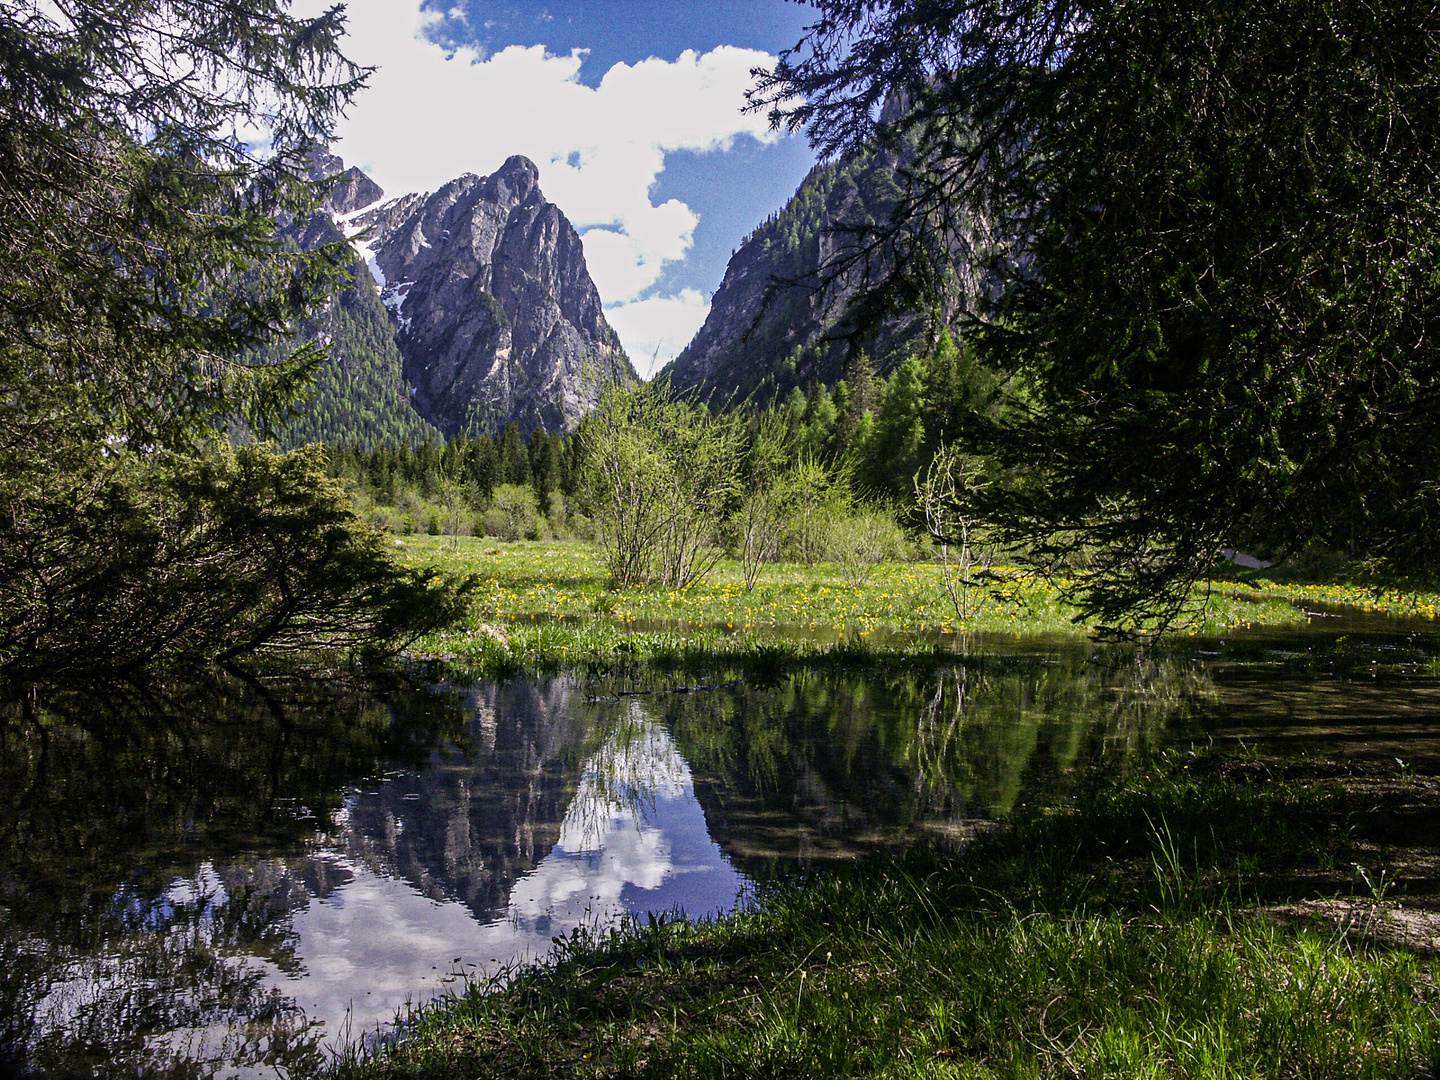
(431,114)
(657,328)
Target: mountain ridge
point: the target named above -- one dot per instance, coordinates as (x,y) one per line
(469,308)
(495,313)
(773,322)
(795,306)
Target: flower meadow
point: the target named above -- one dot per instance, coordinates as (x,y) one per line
(539,598)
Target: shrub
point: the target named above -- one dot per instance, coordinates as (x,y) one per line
(555,513)
(383,518)
(816,499)
(862,540)
(513,514)
(233,553)
(660,476)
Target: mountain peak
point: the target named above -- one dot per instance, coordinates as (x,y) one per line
(515,180)
(352,189)
(495,313)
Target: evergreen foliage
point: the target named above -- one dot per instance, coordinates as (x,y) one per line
(359,394)
(139,258)
(402,487)
(144,293)
(1218,227)
(167,560)
(882,432)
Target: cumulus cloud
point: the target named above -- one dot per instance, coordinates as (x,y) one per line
(432,113)
(656,328)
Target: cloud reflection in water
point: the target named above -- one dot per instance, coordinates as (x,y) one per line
(633,840)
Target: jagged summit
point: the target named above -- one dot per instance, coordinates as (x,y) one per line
(514,181)
(492,305)
(353,191)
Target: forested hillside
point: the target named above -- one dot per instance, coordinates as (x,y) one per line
(359,394)
(798,301)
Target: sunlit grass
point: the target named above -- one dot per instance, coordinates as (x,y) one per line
(1112,940)
(565,583)
(1364,596)
(568,580)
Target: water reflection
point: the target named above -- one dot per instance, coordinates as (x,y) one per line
(826,766)
(629,838)
(633,840)
(232,876)
(1371,700)
(154,842)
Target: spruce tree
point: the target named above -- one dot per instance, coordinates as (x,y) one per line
(1209,231)
(141,275)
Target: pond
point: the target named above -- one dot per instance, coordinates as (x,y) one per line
(236,876)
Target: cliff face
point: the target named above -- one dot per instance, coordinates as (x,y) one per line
(774,322)
(785,316)
(495,313)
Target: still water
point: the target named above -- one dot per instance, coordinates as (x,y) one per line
(236,876)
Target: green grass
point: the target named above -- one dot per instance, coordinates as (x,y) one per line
(1134,934)
(1366,596)
(1122,938)
(553,606)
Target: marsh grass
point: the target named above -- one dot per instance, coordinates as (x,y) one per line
(1357,591)
(1120,938)
(554,604)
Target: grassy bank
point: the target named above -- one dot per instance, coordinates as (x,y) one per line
(1368,596)
(1158,929)
(1211,917)
(548,604)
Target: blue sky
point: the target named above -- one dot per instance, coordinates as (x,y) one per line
(624,31)
(632,111)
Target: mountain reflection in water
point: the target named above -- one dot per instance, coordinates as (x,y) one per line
(632,840)
(238,874)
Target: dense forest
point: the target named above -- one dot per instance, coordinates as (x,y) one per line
(865,439)
(358,395)
(502,486)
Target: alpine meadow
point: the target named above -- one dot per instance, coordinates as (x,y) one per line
(987,632)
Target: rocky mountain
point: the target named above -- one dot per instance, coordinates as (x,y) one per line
(469,308)
(771,325)
(360,393)
(777,320)
(495,315)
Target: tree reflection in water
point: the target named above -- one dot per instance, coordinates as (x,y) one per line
(825,765)
(154,840)
(215,878)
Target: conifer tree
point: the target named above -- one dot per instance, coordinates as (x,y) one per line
(139,258)
(514,456)
(1212,231)
(140,273)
